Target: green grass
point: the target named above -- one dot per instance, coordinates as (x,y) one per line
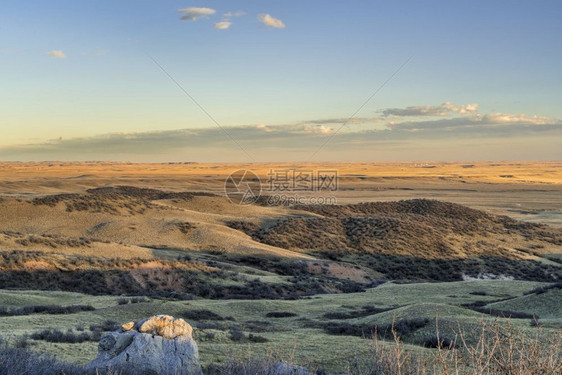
(18,298)
(548,306)
(293,334)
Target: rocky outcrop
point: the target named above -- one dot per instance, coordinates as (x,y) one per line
(159,345)
(165,326)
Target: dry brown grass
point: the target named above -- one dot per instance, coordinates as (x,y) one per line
(495,172)
(501,349)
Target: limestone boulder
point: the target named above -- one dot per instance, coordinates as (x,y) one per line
(159,345)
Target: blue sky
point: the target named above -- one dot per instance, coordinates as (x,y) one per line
(78,81)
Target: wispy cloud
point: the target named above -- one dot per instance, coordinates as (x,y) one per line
(171,140)
(193,13)
(490,124)
(444,109)
(57,54)
(342,120)
(223,25)
(305,136)
(510,118)
(227,20)
(270,21)
(238,13)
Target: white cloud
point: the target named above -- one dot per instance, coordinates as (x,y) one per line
(226,23)
(509,118)
(58,54)
(289,130)
(348,121)
(223,25)
(270,21)
(432,110)
(193,13)
(490,124)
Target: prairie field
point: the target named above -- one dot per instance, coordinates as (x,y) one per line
(408,251)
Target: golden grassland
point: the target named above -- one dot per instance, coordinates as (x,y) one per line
(15,175)
(537,172)
(514,188)
(129,227)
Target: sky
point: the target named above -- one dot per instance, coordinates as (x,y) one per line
(252,81)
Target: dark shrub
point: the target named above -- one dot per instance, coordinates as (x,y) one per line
(236,335)
(202,315)
(44,309)
(544,289)
(501,313)
(440,342)
(406,326)
(280,314)
(59,336)
(400,328)
(206,325)
(346,329)
(535,323)
(17,361)
(21,342)
(479,293)
(258,366)
(108,325)
(256,338)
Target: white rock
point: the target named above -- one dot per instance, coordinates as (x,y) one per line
(149,353)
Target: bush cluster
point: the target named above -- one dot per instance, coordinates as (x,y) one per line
(203,315)
(438,342)
(112,276)
(500,313)
(55,335)
(280,314)
(106,326)
(401,328)
(44,309)
(544,289)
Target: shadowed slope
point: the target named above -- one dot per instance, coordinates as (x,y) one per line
(419,228)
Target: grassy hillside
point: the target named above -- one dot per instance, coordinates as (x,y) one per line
(306,327)
(415,240)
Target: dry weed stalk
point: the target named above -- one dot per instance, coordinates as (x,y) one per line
(499,349)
